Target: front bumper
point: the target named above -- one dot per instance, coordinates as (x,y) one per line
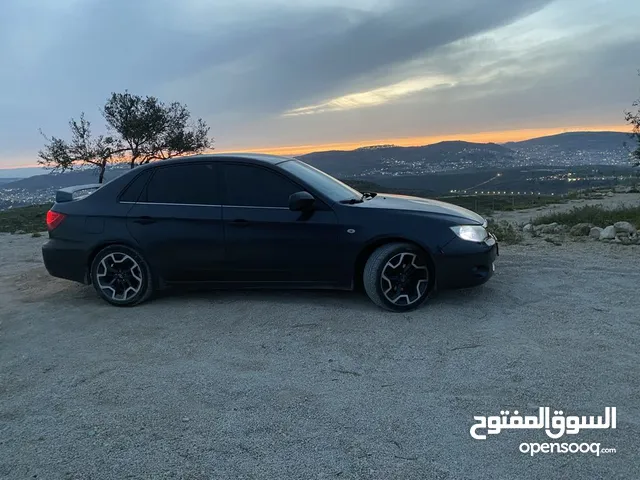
(67,260)
(464,264)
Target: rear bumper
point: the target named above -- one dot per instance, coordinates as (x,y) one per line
(67,260)
(465,264)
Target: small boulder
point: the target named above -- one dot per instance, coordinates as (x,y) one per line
(580,230)
(624,239)
(609,194)
(527,228)
(595,233)
(550,228)
(608,233)
(19,232)
(624,227)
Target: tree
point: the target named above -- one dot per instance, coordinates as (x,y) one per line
(81,149)
(633,119)
(151,130)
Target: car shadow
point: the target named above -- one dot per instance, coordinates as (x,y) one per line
(318,297)
(283,296)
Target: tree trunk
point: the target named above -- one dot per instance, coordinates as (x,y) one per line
(101,174)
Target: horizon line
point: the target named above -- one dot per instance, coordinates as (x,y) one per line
(503,136)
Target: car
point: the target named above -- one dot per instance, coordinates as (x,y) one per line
(260,221)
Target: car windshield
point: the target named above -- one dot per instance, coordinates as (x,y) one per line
(326,184)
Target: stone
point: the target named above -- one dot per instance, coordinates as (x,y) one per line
(624,227)
(608,233)
(595,233)
(550,228)
(527,228)
(580,230)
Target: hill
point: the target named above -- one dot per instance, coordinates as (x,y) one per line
(575,148)
(61,180)
(575,141)
(8,180)
(394,160)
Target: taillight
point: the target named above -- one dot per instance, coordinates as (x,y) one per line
(54,219)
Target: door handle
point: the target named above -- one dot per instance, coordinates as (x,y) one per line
(239,222)
(145,220)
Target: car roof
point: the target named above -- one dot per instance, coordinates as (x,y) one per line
(246,157)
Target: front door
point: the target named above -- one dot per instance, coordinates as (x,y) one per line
(267,242)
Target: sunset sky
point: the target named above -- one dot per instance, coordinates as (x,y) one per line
(288,77)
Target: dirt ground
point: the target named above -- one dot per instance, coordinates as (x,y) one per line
(522,217)
(319,384)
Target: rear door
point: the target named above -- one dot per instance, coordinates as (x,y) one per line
(267,242)
(177,220)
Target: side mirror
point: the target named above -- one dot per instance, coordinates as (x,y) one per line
(301,201)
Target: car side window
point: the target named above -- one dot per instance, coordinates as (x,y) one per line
(194,184)
(251,186)
(133,190)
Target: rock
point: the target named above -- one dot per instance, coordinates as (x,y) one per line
(624,227)
(554,241)
(580,230)
(527,228)
(609,194)
(632,241)
(624,240)
(550,228)
(19,232)
(608,233)
(595,233)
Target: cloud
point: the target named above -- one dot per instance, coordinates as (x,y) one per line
(282,71)
(376,97)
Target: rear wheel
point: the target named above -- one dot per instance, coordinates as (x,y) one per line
(397,277)
(121,276)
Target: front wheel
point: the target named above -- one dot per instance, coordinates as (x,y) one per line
(121,276)
(397,277)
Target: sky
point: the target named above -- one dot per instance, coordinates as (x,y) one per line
(285,76)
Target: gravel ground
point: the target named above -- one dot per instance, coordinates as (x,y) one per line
(319,384)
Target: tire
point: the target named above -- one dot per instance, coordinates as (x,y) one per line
(388,262)
(133,282)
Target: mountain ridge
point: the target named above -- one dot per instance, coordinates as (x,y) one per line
(570,148)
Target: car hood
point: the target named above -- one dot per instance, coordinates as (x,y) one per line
(404,202)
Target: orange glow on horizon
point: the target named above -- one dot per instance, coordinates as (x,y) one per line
(479,137)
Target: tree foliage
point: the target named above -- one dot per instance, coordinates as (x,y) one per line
(151,130)
(82,149)
(141,129)
(633,119)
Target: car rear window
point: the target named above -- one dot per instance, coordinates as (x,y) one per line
(193,184)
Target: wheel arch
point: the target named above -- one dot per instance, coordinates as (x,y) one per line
(374,244)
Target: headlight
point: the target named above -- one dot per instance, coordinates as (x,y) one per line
(472,233)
